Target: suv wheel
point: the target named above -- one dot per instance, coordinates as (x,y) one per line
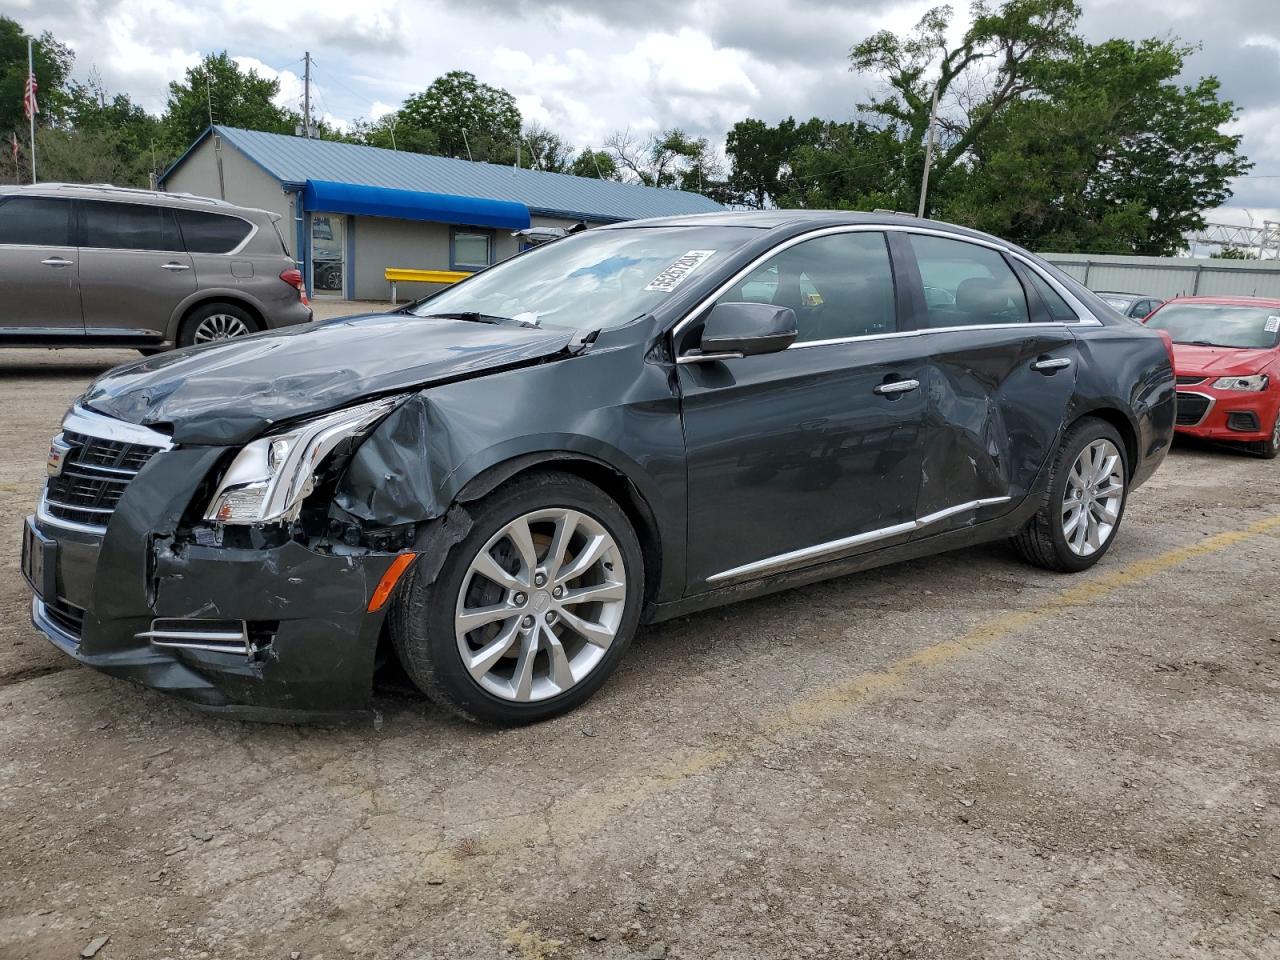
(1082,507)
(216,321)
(532,610)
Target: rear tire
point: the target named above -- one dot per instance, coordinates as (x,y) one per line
(533,648)
(1083,504)
(213,322)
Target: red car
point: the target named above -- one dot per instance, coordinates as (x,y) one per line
(1227,359)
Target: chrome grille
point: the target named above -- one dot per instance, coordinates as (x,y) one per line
(102,456)
(1187,380)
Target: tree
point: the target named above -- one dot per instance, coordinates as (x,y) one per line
(1112,155)
(545,150)
(1233,253)
(458,116)
(235,97)
(597,164)
(992,67)
(105,139)
(670,159)
(52,64)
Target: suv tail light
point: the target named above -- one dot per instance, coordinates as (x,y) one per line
(294,279)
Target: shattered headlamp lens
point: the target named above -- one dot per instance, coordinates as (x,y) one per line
(270,477)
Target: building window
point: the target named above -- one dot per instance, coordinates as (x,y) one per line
(470,250)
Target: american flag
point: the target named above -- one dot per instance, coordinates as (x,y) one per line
(29,106)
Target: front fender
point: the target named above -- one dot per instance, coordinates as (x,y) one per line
(421,458)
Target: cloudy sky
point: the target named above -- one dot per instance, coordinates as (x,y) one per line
(589,67)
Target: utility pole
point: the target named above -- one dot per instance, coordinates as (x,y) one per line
(306,95)
(466,143)
(928,153)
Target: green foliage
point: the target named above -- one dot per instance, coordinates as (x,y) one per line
(671,159)
(52,64)
(598,164)
(1233,253)
(235,97)
(544,150)
(461,117)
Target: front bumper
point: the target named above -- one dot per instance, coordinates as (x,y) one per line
(315,642)
(1226,414)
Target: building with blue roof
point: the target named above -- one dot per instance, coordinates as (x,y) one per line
(356,210)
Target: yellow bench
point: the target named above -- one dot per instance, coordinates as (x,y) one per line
(422,276)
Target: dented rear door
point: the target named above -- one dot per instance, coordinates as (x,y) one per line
(1000,383)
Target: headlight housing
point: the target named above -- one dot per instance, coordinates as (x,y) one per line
(1253,383)
(271,476)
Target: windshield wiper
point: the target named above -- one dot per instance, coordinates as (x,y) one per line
(472,317)
(1199,343)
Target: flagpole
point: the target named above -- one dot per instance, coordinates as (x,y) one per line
(31,73)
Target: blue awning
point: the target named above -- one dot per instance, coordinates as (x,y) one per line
(332,197)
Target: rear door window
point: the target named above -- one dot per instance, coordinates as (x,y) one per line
(1058,308)
(36,221)
(127,226)
(213,232)
(966,284)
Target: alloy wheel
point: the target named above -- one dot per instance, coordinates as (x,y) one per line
(1093,498)
(220,326)
(540,604)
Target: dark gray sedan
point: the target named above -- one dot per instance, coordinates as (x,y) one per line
(496,486)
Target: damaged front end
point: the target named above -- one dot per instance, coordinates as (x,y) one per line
(225,576)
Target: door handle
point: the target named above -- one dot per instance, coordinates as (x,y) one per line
(1049,364)
(895,388)
(57,262)
(174,266)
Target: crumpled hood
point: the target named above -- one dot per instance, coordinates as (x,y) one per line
(1189,360)
(231,392)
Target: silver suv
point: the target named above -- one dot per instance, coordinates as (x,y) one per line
(84,265)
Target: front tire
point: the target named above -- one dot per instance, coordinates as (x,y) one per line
(1084,502)
(532,609)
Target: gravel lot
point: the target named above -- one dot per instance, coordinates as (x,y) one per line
(955,758)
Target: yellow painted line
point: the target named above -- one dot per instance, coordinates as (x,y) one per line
(592,805)
(405,275)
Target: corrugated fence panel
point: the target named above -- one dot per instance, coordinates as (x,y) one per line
(1172,276)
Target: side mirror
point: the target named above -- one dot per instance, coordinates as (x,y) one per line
(746,329)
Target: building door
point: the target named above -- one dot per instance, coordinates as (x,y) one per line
(328,254)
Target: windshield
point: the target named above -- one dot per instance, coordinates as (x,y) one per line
(1219,324)
(1117,303)
(591,280)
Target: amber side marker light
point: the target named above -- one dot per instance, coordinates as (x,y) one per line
(389,580)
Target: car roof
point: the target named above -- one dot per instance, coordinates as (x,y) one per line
(106,191)
(772,219)
(1131,296)
(1232,301)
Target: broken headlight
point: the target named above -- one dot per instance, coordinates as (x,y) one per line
(270,477)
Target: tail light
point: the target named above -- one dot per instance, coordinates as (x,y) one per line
(293,278)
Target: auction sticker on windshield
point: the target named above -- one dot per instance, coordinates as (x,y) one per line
(679,270)
(1273,324)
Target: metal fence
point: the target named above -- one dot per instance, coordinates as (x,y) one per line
(1171,276)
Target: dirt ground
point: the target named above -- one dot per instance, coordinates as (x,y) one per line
(960,757)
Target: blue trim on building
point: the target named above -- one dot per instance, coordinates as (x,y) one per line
(355,198)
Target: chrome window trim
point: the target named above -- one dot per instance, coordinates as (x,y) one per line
(799,557)
(1207,410)
(81,419)
(1083,316)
